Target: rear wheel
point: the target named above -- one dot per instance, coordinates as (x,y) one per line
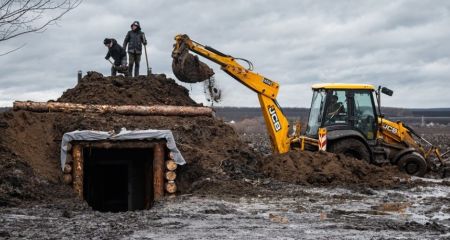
(351,147)
(413,164)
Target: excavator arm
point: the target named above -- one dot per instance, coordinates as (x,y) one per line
(266,89)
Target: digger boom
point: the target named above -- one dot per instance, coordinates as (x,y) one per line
(266,89)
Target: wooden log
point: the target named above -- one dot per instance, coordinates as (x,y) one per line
(158,171)
(171,165)
(77,154)
(67,179)
(171,187)
(170,175)
(67,168)
(155,110)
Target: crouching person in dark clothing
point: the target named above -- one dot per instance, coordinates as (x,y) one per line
(134,40)
(118,54)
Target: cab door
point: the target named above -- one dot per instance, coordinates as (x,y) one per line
(362,110)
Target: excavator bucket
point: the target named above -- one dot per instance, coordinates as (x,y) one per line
(187,67)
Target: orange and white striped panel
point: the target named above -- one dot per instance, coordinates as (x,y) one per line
(322,139)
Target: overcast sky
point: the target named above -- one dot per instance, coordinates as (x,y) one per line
(404,45)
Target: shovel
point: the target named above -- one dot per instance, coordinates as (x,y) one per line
(149,70)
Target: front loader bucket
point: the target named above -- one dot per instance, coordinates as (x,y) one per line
(188,68)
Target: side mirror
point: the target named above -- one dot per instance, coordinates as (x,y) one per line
(387,91)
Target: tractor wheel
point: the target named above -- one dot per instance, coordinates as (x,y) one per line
(413,164)
(351,147)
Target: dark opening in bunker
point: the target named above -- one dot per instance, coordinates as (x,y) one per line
(118,179)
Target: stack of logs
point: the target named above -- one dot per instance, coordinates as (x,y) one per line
(170,176)
(68,167)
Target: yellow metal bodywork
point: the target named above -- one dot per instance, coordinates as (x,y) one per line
(395,133)
(353,86)
(397,136)
(266,89)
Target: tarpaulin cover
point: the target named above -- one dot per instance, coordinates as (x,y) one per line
(88,135)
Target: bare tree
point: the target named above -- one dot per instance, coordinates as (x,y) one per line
(18,17)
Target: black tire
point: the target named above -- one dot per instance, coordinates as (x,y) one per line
(413,164)
(351,147)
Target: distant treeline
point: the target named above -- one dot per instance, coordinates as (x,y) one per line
(4,109)
(239,113)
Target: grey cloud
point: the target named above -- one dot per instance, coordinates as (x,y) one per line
(400,44)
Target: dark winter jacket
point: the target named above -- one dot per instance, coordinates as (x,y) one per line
(134,40)
(116,52)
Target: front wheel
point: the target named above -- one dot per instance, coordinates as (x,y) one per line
(352,148)
(413,164)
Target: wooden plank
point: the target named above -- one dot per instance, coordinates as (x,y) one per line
(158,171)
(77,155)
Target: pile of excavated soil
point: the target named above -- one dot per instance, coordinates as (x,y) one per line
(325,169)
(30,144)
(209,146)
(141,90)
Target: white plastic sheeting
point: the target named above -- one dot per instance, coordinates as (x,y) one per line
(88,135)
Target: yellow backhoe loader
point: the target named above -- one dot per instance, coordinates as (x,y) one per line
(343,118)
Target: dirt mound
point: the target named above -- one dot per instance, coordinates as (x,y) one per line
(210,147)
(321,168)
(19,182)
(94,88)
(15,179)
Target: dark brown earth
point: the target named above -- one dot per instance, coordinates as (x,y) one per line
(30,145)
(141,90)
(187,67)
(322,168)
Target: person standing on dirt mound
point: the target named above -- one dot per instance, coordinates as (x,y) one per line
(118,54)
(134,40)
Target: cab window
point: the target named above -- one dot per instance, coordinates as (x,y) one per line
(315,113)
(336,111)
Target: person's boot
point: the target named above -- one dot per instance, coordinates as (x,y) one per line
(136,70)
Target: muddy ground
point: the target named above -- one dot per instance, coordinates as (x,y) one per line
(228,189)
(277,211)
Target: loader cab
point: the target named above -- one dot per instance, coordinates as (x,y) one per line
(347,107)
